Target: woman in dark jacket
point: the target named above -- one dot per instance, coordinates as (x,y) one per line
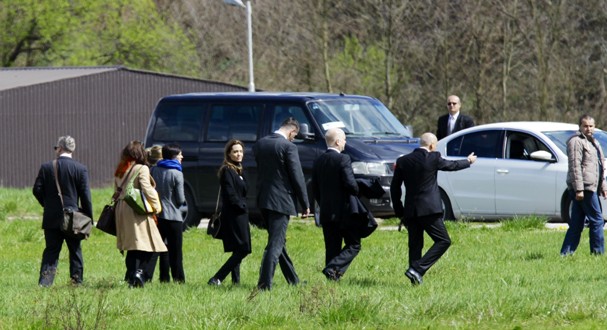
(234,231)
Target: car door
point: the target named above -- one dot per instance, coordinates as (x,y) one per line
(472,190)
(525,186)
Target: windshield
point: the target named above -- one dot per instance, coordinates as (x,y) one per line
(560,138)
(357,117)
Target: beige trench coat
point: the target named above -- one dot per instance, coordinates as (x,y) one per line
(135,231)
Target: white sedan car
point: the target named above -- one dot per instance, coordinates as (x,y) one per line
(521,170)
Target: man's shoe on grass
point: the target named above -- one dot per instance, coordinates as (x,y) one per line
(414,276)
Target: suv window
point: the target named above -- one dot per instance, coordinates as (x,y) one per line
(484,144)
(233,121)
(284,111)
(178,123)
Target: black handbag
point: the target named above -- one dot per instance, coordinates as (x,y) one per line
(215,221)
(107,218)
(74,224)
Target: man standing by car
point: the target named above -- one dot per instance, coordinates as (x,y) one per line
(453,121)
(585,181)
(333,183)
(280,182)
(73,180)
(423,209)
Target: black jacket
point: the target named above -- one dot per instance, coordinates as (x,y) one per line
(234,231)
(418,171)
(462,122)
(333,183)
(280,179)
(73,179)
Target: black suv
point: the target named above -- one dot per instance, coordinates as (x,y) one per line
(202,123)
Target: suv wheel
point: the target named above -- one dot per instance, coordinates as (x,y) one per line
(191,215)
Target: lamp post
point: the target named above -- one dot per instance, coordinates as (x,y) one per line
(239,3)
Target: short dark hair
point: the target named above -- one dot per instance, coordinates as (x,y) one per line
(170,151)
(290,122)
(585,117)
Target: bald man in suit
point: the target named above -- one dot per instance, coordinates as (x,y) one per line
(423,209)
(333,183)
(453,121)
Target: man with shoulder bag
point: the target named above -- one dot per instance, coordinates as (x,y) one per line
(72,181)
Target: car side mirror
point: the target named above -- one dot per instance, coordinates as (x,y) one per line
(543,156)
(304,132)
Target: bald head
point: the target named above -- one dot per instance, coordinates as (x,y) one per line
(427,140)
(336,138)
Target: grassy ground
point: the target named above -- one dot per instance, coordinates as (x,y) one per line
(510,277)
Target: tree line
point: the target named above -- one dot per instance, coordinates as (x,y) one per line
(506,59)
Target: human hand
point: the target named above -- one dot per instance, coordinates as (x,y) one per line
(472,158)
(579,195)
(306,213)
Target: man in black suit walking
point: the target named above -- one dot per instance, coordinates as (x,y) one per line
(280,181)
(453,121)
(73,179)
(333,183)
(423,210)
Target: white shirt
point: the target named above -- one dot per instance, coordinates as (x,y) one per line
(452,120)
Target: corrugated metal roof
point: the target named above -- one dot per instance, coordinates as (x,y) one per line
(19,77)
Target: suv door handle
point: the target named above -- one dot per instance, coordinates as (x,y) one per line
(503,171)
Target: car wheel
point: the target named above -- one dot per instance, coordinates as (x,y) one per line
(192,216)
(448,211)
(566,208)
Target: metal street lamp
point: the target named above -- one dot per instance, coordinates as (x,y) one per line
(239,3)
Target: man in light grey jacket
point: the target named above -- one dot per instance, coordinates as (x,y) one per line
(585,180)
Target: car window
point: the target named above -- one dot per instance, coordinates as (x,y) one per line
(521,145)
(284,111)
(178,122)
(485,144)
(233,121)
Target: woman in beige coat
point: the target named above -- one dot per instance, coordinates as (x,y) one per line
(135,233)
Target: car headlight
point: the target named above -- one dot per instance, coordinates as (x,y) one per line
(379,169)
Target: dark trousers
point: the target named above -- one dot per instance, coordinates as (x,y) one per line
(336,257)
(50,257)
(232,265)
(136,260)
(172,234)
(275,251)
(435,227)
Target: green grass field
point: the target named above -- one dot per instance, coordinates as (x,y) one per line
(509,277)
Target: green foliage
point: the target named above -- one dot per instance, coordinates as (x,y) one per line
(99,32)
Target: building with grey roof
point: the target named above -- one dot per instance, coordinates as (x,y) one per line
(103,108)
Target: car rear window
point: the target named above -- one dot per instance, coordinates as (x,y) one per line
(484,144)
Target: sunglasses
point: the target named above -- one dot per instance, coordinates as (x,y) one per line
(451,103)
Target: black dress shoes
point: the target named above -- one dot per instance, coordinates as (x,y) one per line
(331,274)
(414,276)
(214,282)
(138,279)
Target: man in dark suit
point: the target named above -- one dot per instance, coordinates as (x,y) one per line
(453,121)
(73,180)
(280,181)
(423,209)
(333,183)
